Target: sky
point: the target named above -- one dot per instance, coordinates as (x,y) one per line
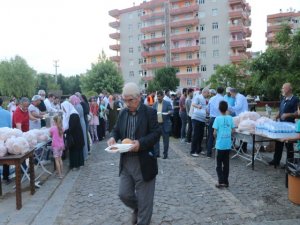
(75,32)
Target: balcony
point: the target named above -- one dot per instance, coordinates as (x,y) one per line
(238,29)
(188,75)
(237,2)
(154,15)
(238,58)
(147,78)
(184,49)
(115,58)
(153,40)
(184,23)
(249,44)
(270,39)
(150,66)
(115,35)
(116,47)
(184,10)
(248,32)
(114,24)
(238,44)
(153,28)
(280,17)
(248,7)
(152,4)
(184,36)
(274,28)
(154,53)
(114,13)
(188,62)
(236,14)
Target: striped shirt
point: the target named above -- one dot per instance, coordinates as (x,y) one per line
(131,125)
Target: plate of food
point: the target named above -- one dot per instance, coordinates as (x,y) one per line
(118,148)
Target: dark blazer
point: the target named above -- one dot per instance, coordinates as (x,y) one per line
(147,133)
(166,107)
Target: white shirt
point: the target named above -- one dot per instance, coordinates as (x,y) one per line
(241,104)
(213,105)
(49,106)
(168,99)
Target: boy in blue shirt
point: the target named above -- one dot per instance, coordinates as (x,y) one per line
(223,128)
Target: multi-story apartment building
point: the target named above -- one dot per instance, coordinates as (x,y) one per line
(276,21)
(194,36)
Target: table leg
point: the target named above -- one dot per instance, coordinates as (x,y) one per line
(18,186)
(32,175)
(253,149)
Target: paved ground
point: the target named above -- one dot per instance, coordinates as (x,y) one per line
(185,194)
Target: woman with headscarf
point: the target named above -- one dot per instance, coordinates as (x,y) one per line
(75,101)
(72,126)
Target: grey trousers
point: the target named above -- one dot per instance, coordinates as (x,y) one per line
(134,192)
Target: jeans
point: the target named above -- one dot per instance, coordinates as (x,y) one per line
(198,132)
(223,166)
(165,136)
(183,117)
(210,141)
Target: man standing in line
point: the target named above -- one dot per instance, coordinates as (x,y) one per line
(183,114)
(164,110)
(213,110)
(138,167)
(287,113)
(188,104)
(5,121)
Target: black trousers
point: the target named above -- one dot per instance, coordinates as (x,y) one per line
(278,151)
(198,132)
(189,130)
(223,166)
(5,172)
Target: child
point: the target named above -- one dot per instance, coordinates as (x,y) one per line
(56,132)
(223,127)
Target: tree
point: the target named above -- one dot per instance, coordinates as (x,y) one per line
(16,77)
(45,81)
(229,75)
(165,78)
(103,75)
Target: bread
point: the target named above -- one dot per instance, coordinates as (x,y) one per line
(127,141)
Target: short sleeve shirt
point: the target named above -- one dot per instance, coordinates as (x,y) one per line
(57,141)
(34,124)
(223,125)
(298,131)
(21,117)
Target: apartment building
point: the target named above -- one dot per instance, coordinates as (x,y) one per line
(194,36)
(276,21)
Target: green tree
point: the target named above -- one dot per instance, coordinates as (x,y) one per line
(230,75)
(165,78)
(16,77)
(103,75)
(45,81)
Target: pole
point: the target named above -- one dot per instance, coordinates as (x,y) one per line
(56,66)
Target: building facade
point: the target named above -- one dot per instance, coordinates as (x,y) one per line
(194,36)
(276,21)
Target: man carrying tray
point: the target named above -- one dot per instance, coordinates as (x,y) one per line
(138,167)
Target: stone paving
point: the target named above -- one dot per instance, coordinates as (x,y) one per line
(185,194)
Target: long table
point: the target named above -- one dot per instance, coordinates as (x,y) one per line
(17,160)
(257,140)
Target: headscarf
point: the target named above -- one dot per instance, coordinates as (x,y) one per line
(74,100)
(68,110)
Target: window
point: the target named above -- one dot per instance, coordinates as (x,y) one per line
(130,38)
(202,41)
(198,69)
(215,66)
(177,70)
(201,14)
(188,29)
(130,50)
(189,55)
(215,26)
(175,57)
(163,33)
(215,53)
(145,60)
(187,3)
(214,12)
(188,42)
(203,54)
(140,36)
(189,82)
(202,27)
(141,73)
(153,59)
(131,73)
(139,48)
(201,2)
(198,55)
(131,62)
(189,69)
(215,40)
(152,35)
(140,60)
(203,68)
(145,73)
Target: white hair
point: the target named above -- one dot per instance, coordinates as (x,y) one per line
(131,89)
